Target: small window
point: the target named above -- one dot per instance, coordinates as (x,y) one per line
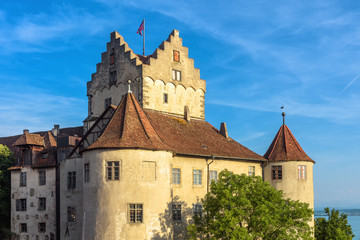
(44,156)
(302,172)
(251,170)
(197,177)
(86,172)
(42,177)
(71,214)
(198,210)
(276,172)
(176,176)
(213,175)
(165,98)
(176,212)
(113,170)
(176,75)
(176,56)
(113,77)
(21,204)
(112,56)
(42,227)
(71,180)
(42,204)
(23,227)
(135,213)
(107,102)
(23,179)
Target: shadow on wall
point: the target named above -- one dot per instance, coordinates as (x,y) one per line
(173,221)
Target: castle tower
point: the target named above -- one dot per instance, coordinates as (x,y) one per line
(165,81)
(289,168)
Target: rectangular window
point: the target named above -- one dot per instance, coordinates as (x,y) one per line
(71,214)
(176,172)
(42,177)
(21,204)
(112,58)
(135,212)
(71,180)
(165,98)
(113,77)
(149,171)
(197,177)
(213,176)
(23,179)
(276,172)
(86,172)
(251,170)
(107,102)
(198,210)
(176,75)
(176,56)
(113,170)
(23,227)
(302,172)
(176,212)
(42,204)
(44,156)
(42,227)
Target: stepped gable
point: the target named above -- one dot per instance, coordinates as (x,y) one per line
(284,147)
(125,58)
(29,139)
(197,137)
(129,127)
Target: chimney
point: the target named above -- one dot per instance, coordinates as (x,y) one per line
(56,130)
(187,113)
(223,130)
(26,131)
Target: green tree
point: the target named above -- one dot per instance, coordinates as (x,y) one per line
(335,227)
(6,160)
(243,207)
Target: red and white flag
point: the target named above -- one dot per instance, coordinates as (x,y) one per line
(141,29)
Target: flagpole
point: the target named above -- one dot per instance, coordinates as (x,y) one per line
(144,39)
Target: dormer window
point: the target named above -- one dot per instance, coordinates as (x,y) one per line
(176,75)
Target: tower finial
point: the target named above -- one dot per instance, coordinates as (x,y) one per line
(283,114)
(129,85)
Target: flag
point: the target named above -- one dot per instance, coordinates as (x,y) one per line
(141,29)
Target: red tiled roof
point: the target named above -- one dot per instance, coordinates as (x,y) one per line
(29,139)
(129,128)
(132,127)
(284,147)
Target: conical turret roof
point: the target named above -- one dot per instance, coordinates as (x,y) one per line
(129,128)
(284,147)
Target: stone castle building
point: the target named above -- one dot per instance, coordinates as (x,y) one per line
(147,155)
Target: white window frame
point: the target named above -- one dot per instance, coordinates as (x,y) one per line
(302,172)
(197,177)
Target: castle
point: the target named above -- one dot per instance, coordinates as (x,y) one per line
(144,158)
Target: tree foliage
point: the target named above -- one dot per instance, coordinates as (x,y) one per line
(335,227)
(243,207)
(6,160)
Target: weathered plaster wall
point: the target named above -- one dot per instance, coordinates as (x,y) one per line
(106,202)
(71,197)
(32,192)
(189,194)
(293,188)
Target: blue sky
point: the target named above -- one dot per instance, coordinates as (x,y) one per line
(255,56)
